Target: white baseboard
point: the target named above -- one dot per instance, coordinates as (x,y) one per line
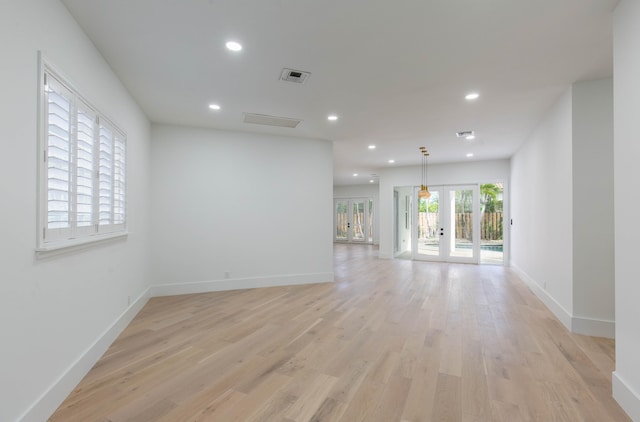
(238,283)
(593,327)
(557,309)
(579,325)
(46,404)
(628,399)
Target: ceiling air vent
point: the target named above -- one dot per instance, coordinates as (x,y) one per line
(292,75)
(465,134)
(264,119)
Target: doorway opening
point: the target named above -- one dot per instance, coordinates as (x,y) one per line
(457,223)
(353,220)
(447,225)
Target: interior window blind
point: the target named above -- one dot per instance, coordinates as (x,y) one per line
(119,153)
(84,166)
(106,176)
(58,158)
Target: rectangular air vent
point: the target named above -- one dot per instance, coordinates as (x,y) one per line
(296,76)
(264,119)
(465,134)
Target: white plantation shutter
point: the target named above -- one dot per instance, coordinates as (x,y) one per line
(111,178)
(105,176)
(58,159)
(83,167)
(84,163)
(119,157)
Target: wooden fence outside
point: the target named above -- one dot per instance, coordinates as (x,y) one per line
(490,225)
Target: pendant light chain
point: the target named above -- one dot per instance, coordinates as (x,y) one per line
(424,189)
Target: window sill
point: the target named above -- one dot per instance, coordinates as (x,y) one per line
(72,245)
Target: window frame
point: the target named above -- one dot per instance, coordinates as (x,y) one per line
(78,234)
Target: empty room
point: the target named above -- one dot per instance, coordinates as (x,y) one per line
(298,211)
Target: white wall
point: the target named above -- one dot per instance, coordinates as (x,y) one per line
(53,310)
(541,209)
(363,191)
(626,379)
(438,174)
(561,203)
(233,210)
(593,237)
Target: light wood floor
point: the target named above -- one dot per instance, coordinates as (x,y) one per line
(388,341)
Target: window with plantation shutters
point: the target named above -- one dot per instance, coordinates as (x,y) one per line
(83,168)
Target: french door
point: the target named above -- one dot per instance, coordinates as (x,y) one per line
(447,225)
(353,220)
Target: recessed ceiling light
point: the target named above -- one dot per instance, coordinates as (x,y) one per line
(355,174)
(471,96)
(469,155)
(214,106)
(234,46)
(391,161)
(470,137)
(332,117)
(372,147)
(371,181)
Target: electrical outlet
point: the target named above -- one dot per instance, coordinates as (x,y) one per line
(227,274)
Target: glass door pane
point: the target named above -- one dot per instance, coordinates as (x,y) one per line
(358,219)
(491,223)
(461,215)
(370,221)
(341,220)
(429,225)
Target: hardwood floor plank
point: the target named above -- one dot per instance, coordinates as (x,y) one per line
(421,395)
(217,409)
(350,380)
(363,403)
(273,409)
(252,403)
(311,398)
(329,410)
(447,401)
(392,400)
(474,390)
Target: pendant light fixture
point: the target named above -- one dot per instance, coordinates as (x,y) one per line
(424,189)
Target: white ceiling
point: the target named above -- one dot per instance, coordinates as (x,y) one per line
(395,72)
